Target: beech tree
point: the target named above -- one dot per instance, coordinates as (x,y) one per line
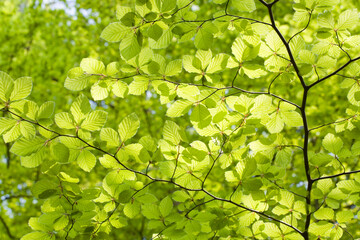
(223,119)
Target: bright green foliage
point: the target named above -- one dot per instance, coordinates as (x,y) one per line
(221,119)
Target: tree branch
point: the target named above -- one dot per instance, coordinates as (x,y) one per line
(336,175)
(333,73)
(7,229)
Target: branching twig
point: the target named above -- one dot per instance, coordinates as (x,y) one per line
(336,175)
(307,25)
(327,124)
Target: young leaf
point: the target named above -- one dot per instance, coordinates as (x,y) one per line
(204,37)
(128,127)
(76,79)
(332,143)
(80,108)
(94,121)
(92,66)
(244,5)
(46,110)
(120,89)
(6,86)
(26,147)
(22,88)
(115,32)
(138,86)
(171,132)
(166,206)
(179,108)
(348,19)
(86,160)
(201,116)
(110,136)
(130,47)
(64,120)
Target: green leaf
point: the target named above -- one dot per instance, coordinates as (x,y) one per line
(287,199)
(201,116)
(218,63)
(80,108)
(131,210)
(130,46)
(121,11)
(188,92)
(163,41)
(6,86)
(150,211)
(249,168)
(166,206)
(291,118)
(128,127)
(332,144)
(324,214)
(60,152)
(118,222)
(148,143)
(275,124)
(6,124)
(46,110)
(173,68)
(67,178)
(112,68)
(64,120)
(94,121)
(171,132)
(253,70)
(138,86)
(13,134)
(109,162)
(44,188)
(115,32)
(60,223)
(179,108)
(283,158)
(348,19)
(35,224)
(110,136)
(76,80)
(86,160)
(244,5)
(326,20)
(33,160)
(155,31)
(204,37)
(37,236)
(114,178)
(167,6)
(120,89)
(100,90)
(92,66)
(138,152)
(188,64)
(26,147)
(22,88)
(344,216)
(27,129)
(238,49)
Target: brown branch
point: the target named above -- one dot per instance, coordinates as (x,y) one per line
(336,175)
(7,229)
(333,73)
(327,124)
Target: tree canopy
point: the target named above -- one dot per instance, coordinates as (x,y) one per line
(179,119)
